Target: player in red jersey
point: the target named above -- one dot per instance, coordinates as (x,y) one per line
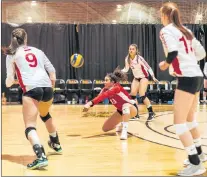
(126,107)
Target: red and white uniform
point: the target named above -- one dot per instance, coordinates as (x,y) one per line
(117,96)
(189,52)
(30,65)
(139,67)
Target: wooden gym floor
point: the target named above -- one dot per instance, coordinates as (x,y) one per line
(151,149)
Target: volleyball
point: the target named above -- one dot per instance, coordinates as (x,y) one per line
(76,60)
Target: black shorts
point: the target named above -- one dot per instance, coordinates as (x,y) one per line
(139,79)
(121,113)
(190,84)
(40,93)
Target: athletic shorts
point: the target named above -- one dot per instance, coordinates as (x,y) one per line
(139,79)
(121,113)
(190,84)
(40,93)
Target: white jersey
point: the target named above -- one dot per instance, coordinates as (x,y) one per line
(139,67)
(30,65)
(189,51)
(205,69)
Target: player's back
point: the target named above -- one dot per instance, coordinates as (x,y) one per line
(29,63)
(186,60)
(121,97)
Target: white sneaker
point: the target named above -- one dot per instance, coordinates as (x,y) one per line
(192,170)
(124,134)
(202,157)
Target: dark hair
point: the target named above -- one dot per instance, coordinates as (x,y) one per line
(117,75)
(18,37)
(171,10)
(128,56)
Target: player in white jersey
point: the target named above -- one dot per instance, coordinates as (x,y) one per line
(29,64)
(205,83)
(141,71)
(182,51)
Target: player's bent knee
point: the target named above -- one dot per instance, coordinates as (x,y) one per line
(142,98)
(192,125)
(105,129)
(180,128)
(28,129)
(45,118)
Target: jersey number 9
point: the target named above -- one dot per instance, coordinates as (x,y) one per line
(31,59)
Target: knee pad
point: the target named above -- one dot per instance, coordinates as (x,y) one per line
(45,118)
(28,129)
(192,125)
(205,89)
(142,98)
(133,97)
(126,110)
(180,128)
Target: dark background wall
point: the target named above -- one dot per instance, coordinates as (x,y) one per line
(98,11)
(103,46)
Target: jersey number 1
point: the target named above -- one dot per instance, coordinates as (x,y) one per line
(31,59)
(113,101)
(185,44)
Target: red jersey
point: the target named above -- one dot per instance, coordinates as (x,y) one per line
(116,94)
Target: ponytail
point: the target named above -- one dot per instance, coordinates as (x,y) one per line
(18,38)
(175,19)
(11,50)
(117,75)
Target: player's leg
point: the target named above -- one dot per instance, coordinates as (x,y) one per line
(142,92)
(193,127)
(133,93)
(44,107)
(112,121)
(205,91)
(121,118)
(30,111)
(185,95)
(128,111)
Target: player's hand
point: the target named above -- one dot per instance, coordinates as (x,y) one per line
(154,79)
(85,109)
(163,65)
(174,74)
(87,106)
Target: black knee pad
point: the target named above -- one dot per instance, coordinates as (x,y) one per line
(142,98)
(28,129)
(205,89)
(133,97)
(45,118)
